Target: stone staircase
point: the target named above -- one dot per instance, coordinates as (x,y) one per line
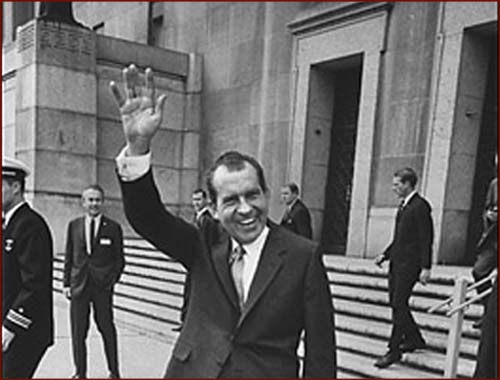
(149,297)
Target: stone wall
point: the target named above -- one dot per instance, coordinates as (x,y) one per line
(67,127)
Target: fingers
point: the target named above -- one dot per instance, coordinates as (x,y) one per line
(150,86)
(130,81)
(159,104)
(117,94)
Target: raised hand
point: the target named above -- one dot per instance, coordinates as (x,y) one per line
(140,110)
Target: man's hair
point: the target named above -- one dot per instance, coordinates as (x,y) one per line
(233,161)
(407,175)
(95,187)
(19,179)
(200,191)
(294,188)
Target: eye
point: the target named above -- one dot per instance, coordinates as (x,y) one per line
(229,201)
(253,195)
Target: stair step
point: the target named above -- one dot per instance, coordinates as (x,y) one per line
(154,264)
(440,274)
(381,298)
(360,366)
(426,321)
(420,360)
(380,330)
(431,290)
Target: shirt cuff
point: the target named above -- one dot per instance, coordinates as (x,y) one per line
(131,168)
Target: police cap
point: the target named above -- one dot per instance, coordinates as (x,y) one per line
(12,168)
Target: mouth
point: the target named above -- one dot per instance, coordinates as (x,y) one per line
(248,223)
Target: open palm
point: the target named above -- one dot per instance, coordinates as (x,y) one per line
(140,111)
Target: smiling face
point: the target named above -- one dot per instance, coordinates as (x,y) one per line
(241,204)
(92,201)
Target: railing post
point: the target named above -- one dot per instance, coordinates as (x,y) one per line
(455,332)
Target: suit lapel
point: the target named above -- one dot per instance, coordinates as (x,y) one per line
(80,228)
(100,231)
(269,265)
(102,226)
(220,260)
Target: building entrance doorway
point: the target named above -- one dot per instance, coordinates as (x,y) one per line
(487,148)
(346,80)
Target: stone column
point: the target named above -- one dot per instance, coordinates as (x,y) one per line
(56,117)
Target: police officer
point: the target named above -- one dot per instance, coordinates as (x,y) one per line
(27,304)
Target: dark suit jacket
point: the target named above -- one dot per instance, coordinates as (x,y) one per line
(411,247)
(298,220)
(289,293)
(27,255)
(104,265)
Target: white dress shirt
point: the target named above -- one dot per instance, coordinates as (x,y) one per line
(408,197)
(131,168)
(251,259)
(97,223)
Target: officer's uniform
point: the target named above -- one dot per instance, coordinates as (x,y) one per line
(27,301)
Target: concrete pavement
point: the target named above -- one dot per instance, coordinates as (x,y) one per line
(142,354)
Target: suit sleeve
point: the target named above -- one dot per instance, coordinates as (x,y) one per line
(320,350)
(120,256)
(68,257)
(35,264)
(150,219)
(425,230)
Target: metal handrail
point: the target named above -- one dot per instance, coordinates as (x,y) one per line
(458,302)
(490,278)
(479,297)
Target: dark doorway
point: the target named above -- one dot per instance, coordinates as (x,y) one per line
(347,83)
(487,148)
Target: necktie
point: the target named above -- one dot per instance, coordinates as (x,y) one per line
(237,264)
(92,234)
(400,208)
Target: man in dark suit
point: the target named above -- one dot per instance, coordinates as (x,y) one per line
(487,247)
(202,217)
(410,261)
(296,217)
(201,206)
(255,288)
(93,264)
(27,253)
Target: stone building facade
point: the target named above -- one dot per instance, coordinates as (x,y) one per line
(332,95)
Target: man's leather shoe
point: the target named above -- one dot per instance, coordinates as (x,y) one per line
(113,376)
(410,346)
(390,358)
(77,376)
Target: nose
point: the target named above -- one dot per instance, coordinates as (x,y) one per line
(244,207)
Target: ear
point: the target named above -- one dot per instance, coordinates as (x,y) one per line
(16,187)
